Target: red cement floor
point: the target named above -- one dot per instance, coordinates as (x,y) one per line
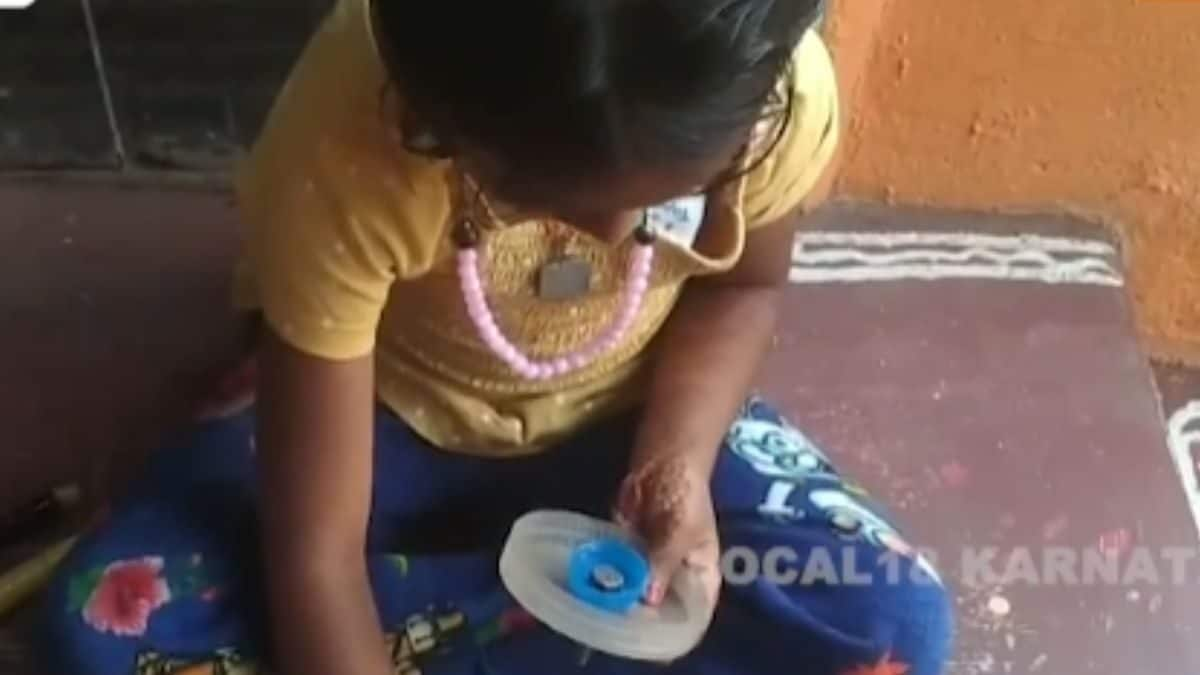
(991,389)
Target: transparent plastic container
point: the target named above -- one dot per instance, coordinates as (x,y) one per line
(535,566)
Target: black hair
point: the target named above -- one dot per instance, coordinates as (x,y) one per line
(572,88)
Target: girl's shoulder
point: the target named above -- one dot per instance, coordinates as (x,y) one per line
(780,183)
(336,209)
(331,145)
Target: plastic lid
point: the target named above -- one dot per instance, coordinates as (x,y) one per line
(608,574)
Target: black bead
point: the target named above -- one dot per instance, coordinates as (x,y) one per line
(466,234)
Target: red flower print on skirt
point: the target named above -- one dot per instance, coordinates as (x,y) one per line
(125,596)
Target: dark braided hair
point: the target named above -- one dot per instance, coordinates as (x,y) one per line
(571,89)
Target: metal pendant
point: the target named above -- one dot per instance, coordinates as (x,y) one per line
(564,278)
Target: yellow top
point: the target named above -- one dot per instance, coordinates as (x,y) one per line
(349,252)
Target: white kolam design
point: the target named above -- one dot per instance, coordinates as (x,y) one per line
(1183,435)
(855,257)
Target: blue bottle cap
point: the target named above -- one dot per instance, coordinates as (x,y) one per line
(608,574)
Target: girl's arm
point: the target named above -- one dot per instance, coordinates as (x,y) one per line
(708,355)
(715,340)
(705,362)
(315,442)
(710,351)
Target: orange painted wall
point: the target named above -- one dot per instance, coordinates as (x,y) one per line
(1092,105)
(851,29)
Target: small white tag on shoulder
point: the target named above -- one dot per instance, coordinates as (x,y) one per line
(678,220)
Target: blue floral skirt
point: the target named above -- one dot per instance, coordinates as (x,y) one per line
(172,581)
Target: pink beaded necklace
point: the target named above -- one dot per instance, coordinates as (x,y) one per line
(637,282)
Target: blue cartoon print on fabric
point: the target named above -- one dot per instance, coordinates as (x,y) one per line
(775,448)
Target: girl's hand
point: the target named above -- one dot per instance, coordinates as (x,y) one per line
(666,502)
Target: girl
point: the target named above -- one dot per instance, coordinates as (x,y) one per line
(548,237)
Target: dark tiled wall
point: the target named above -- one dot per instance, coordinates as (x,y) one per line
(188,81)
